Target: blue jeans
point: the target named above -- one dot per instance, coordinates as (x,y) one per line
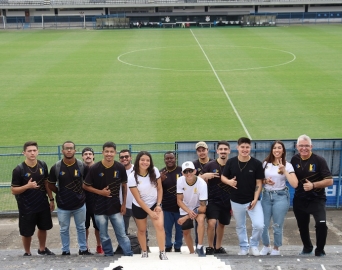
(170,219)
(257,217)
(64,217)
(275,205)
(119,229)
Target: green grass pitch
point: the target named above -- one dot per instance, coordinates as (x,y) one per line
(164,85)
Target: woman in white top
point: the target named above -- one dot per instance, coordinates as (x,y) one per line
(275,196)
(145,185)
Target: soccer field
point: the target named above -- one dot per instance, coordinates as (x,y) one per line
(164,85)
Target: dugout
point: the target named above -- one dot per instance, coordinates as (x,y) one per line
(259,20)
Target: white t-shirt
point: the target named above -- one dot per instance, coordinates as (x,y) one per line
(129,197)
(148,192)
(279,179)
(192,195)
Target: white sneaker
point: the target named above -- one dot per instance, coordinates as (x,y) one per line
(275,252)
(243,252)
(265,251)
(254,251)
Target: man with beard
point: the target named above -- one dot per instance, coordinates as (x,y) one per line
(169,176)
(218,208)
(65,180)
(88,158)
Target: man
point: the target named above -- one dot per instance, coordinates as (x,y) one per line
(202,152)
(104,180)
(66,181)
(309,199)
(218,208)
(88,158)
(29,186)
(169,176)
(192,196)
(126,160)
(245,175)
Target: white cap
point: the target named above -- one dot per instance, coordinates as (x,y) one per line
(188,165)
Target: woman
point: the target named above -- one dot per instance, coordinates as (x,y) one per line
(145,185)
(275,196)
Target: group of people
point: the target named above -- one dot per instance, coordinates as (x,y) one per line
(199,194)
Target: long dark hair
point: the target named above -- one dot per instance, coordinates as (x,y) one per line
(270,158)
(150,169)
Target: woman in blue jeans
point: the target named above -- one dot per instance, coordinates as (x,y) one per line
(275,196)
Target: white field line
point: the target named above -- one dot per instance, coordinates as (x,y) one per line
(323,267)
(223,88)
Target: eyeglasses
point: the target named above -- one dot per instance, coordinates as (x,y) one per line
(188,171)
(122,157)
(304,146)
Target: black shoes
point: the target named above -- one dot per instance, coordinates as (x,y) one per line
(168,249)
(84,252)
(66,253)
(27,254)
(177,250)
(46,251)
(220,250)
(209,251)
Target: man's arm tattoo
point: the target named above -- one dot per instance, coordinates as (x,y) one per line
(256,188)
(203,203)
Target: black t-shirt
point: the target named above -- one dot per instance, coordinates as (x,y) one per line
(314,169)
(246,174)
(100,177)
(70,194)
(218,192)
(199,166)
(32,200)
(169,201)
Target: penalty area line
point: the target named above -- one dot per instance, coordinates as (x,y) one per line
(223,88)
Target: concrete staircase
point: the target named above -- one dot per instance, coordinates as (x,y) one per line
(176,261)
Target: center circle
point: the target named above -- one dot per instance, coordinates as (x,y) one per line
(207,58)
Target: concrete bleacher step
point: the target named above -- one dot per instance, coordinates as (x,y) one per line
(175,260)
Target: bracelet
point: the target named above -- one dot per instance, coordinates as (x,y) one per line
(313,185)
(52,199)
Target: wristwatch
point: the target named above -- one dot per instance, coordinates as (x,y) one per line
(52,199)
(159,204)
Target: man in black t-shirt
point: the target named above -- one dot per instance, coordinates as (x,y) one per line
(309,199)
(169,176)
(30,188)
(104,180)
(218,208)
(245,175)
(65,180)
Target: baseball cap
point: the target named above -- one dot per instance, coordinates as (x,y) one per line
(201,144)
(188,165)
(86,149)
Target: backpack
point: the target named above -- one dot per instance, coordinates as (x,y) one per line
(135,246)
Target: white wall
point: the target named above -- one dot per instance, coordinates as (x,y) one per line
(281,9)
(320,9)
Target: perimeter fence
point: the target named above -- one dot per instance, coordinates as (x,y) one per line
(330,149)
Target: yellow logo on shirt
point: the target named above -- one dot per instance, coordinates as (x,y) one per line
(195,190)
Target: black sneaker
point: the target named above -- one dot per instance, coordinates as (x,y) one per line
(66,253)
(177,250)
(220,250)
(168,249)
(27,254)
(209,251)
(320,253)
(46,252)
(85,252)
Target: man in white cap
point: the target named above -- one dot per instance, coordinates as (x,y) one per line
(192,196)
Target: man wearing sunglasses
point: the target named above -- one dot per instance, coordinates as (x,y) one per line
(218,208)
(192,196)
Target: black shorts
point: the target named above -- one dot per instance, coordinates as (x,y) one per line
(87,222)
(28,223)
(140,213)
(188,224)
(222,214)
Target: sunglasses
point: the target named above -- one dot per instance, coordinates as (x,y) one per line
(126,157)
(188,171)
